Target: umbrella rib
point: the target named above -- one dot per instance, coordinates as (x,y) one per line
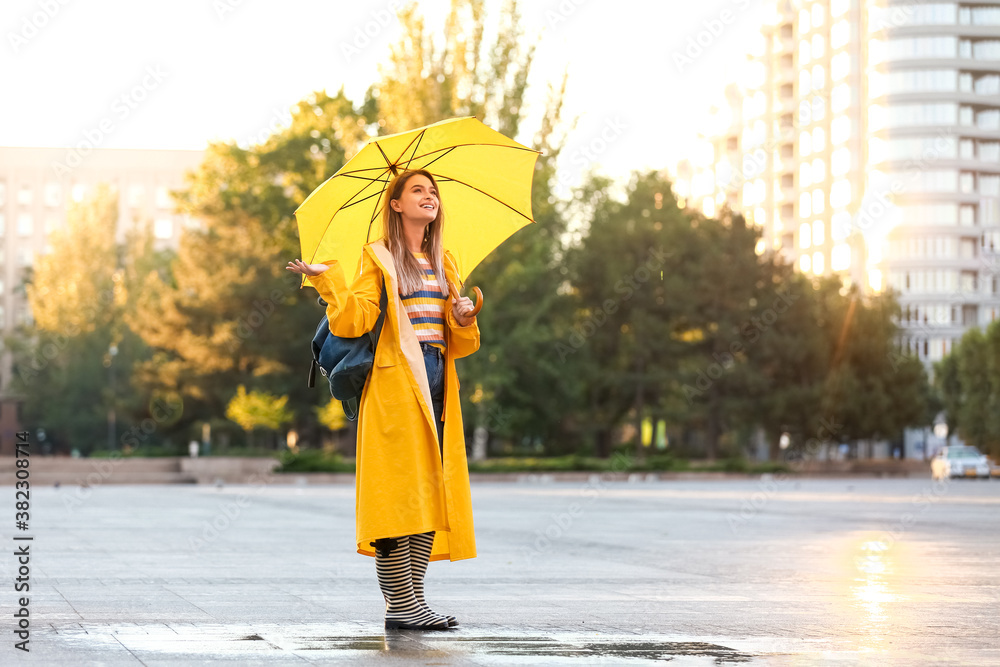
(486,194)
(438,157)
(352,203)
(416,145)
(371,221)
(446,148)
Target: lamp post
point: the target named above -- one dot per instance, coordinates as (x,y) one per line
(112,351)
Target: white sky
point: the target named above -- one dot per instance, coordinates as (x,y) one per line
(229,69)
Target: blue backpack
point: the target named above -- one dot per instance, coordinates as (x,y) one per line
(346,362)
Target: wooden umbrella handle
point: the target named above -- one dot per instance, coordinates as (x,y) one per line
(479,297)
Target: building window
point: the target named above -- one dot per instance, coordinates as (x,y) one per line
(817,262)
(25,195)
(818,204)
(136,195)
(917,81)
(162,197)
(840,66)
(840,257)
(78,192)
(805,205)
(966,183)
(840,34)
(989,186)
(3,193)
(901,115)
(163,228)
(53,195)
(988,120)
(840,130)
(986,49)
(987,85)
(840,193)
(805,179)
(818,232)
(25,225)
(967,216)
(902,48)
(805,235)
(24,256)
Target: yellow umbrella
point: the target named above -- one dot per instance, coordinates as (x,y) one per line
(484,180)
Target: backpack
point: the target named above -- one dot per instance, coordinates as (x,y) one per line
(346,362)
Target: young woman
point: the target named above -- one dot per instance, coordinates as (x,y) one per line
(413,498)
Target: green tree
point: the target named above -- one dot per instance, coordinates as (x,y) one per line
(968,380)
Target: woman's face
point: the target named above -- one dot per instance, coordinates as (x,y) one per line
(418,201)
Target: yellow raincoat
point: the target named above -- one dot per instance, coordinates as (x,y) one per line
(401,488)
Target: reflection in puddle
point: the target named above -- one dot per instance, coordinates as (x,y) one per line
(553,646)
(872,592)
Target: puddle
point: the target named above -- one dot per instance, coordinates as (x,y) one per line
(352,645)
(628,650)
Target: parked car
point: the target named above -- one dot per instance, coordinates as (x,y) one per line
(960,462)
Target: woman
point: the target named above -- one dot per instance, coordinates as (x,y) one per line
(413,502)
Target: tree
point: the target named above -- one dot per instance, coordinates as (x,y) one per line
(80,347)
(258,409)
(968,380)
(227,313)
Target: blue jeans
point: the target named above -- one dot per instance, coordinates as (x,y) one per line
(434,363)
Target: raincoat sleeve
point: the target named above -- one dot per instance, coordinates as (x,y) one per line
(351,310)
(462,341)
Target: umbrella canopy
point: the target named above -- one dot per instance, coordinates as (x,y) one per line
(483,177)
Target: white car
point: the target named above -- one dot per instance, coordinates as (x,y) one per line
(959,462)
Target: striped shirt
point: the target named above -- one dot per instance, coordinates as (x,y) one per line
(425,307)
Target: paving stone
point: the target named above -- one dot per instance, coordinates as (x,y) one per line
(757,572)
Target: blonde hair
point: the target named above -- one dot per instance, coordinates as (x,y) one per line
(408,271)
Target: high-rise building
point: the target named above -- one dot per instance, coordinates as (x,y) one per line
(864,140)
(36,187)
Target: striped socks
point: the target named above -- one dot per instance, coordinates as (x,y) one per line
(420,554)
(402,611)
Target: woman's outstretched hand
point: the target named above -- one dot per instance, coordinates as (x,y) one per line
(298,266)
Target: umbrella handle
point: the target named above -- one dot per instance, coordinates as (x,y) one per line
(479,298)
(479,302)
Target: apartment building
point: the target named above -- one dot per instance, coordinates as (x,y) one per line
(37,185)
(864,140)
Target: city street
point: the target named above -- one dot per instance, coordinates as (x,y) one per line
(755,571)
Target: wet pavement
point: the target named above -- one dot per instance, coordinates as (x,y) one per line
(767,571)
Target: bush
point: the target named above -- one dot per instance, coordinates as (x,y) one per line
(313,460)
